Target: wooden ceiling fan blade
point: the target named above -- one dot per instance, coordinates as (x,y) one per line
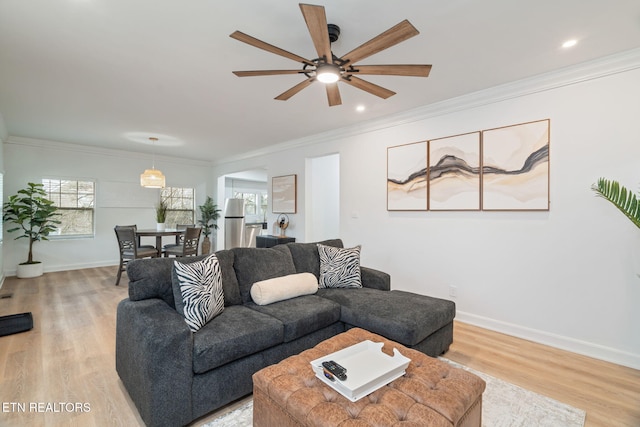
(245,38)
(369,87)
(393,70)
(333,94)
(316,20)
(297,88)
(266,72)
(391,37)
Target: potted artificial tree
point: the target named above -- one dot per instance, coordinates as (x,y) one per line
(34,214)
(209,214)
(161,215)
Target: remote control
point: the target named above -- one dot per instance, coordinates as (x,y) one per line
(335,369)
(328,375)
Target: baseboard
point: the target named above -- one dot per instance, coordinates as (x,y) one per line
(65,267)
(573,345)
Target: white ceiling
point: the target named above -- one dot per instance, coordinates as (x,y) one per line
(92,72)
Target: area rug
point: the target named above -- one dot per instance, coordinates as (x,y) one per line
(503,405)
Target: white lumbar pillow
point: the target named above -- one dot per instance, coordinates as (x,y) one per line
(284,287)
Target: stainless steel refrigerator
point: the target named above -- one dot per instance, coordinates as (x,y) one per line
(234,223)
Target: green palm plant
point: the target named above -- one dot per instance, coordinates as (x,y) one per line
(209,212)
(623,199)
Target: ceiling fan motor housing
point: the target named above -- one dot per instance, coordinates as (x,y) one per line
(334,32)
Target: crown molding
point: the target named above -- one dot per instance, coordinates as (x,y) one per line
(85,149)
(590,70)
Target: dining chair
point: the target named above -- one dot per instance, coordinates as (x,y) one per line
(129,249)
(179,237)
(135,228)
(189,246)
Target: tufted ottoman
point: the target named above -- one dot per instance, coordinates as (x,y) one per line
(432,393)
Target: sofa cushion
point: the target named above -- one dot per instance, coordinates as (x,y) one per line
(152,278)
(229,280)
(256,264)
(339,267)
(197,290)
(306,257)
(400,316)
(301,315)
(283,288)
(237,332)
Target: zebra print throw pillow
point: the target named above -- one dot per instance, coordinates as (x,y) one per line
(339,267)
(201,288)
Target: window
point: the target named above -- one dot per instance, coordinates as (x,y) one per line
(254,203)
(76,203)
(250,205)
(181,205)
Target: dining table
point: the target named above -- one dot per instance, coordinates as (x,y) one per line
(159,234)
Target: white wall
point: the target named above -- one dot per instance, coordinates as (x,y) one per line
(31,160)
(564,277)
(323,202)
(3,137)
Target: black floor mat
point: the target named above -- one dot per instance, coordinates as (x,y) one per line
(15,323)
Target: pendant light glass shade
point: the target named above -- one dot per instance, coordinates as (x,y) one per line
(152,178)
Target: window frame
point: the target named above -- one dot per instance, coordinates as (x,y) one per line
(57,203)
(171,196)
(261,201)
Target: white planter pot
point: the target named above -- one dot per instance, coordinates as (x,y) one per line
(26,271)
(160,226)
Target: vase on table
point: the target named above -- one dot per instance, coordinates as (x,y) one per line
(160,226)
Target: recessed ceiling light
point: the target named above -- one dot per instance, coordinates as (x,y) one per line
(569,43)
(360,108)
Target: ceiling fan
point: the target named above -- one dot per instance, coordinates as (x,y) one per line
(330,69)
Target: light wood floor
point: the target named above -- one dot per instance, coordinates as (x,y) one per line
(69,357)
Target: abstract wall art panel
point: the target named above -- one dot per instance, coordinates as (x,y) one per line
(284,194)
(407,177)
(515,167)
(454,172)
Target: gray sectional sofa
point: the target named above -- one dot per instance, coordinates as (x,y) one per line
(175,376)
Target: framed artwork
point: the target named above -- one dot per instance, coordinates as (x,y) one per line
(284,194)
(454,173)
(407,177)
(515,167)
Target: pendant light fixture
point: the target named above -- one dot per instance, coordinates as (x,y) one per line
(152,178)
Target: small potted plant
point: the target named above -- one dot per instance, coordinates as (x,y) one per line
(161,215)
(34,214)
(209,214)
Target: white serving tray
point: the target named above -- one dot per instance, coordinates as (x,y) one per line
(368,369)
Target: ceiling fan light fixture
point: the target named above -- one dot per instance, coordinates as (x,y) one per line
(328,73)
